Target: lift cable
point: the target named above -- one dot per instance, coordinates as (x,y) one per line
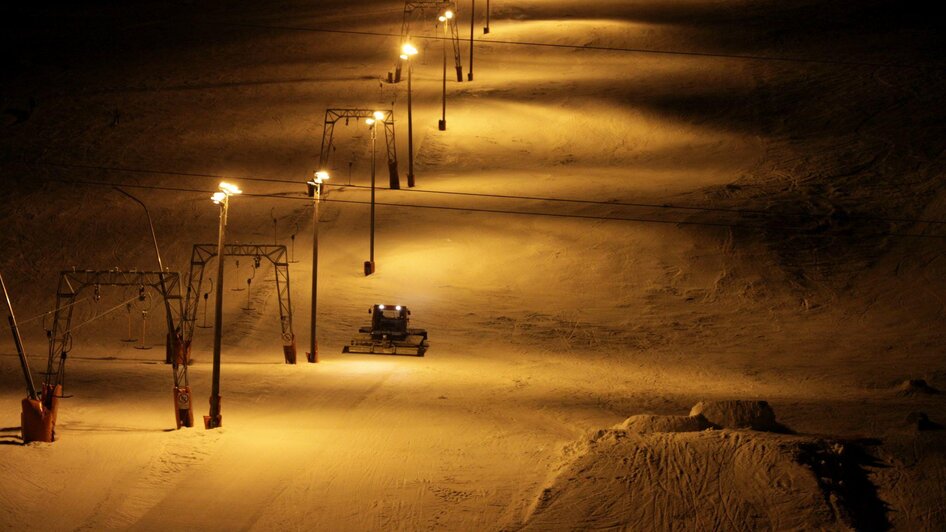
(48,312)
(663,206)
(99,315)
(302,197)
(654,51)
(646,205)
(618,218)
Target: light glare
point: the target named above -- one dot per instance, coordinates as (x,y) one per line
(229,188)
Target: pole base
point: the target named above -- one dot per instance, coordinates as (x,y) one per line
(289,351)
(485,30)
(410,180)
(469,76)
(38,423)
(313,357)
(460,74)
(369,267)
(213,422)
(442,125)
(394,180)
(215,419)
(182,407)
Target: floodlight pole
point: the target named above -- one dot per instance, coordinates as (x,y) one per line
(214,420)
(315,188)
(313,343)
(469,75)
(369,264)
(442,125)
(410,126)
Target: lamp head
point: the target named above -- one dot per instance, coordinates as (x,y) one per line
(218,197)
(408,50)
(316,182)
(378,115)
(448,14)
(229,189)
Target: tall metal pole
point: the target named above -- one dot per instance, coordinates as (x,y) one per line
(442,125)
(24,363)
(374,142)
(469,75)
(313,355)
(214,420)
(369,265)
(172,338)
(410,126)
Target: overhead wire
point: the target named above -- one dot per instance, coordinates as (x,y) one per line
(663,206)
(621,49)
(99,315)
(533,198)
(303,197)
(48,312)
(647,205)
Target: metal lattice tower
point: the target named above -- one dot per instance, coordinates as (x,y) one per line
(328,134)
(72,283)
(423,9)
(276,254)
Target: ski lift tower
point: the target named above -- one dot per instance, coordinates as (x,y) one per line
(422,11)
(332,116)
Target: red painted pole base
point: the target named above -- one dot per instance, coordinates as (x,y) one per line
(215,419)
(289,351)
(214,422)
(183,412)
(37,422)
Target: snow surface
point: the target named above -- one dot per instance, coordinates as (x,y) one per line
(797,286)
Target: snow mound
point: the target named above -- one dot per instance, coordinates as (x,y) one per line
(648,423)
(738,414)
(911,387)
(709,480)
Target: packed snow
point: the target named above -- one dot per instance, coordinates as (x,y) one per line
(644,220)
